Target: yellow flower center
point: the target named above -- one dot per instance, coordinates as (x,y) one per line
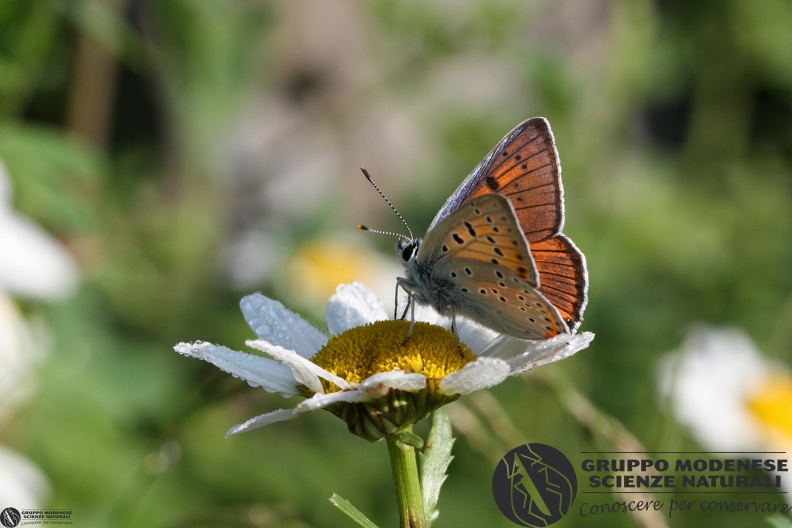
(772,405)
(383,346)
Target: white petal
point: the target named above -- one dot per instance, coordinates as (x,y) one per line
(505,347)
(548,351)
(305,371)
(480,374)
(379,384)
(320,401)
(256,370)
(475,336)
(32,262)
(353,305)
(280,415)
(273,322)
(317,401)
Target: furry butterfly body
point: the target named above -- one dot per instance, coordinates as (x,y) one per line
(495,252)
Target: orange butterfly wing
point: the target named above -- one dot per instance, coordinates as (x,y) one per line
(563,278)
(525,168)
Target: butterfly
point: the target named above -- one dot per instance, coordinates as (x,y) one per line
(495,252)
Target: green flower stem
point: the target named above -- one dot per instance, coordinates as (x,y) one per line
(408,485)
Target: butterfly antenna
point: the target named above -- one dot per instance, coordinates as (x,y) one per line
(371,181)
(378,232)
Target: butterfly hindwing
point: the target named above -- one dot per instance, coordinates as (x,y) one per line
(511,305)
(562,268)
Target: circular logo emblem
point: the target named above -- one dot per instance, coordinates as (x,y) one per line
(10,517)
(534,485)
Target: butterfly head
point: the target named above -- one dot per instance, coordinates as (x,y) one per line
(407,249)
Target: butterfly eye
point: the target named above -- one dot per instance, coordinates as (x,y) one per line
(407,250)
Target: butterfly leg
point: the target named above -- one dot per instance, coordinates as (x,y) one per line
(400,284)
(396,302)
(409,306)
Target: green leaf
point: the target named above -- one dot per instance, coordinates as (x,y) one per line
(353,513)
(434,462)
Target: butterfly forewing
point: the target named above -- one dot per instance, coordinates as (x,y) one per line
(483,252)
(523,167)
(483,230)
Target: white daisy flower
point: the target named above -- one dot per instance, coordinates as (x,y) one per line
(365,372)
(728,395)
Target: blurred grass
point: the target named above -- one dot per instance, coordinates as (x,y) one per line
(674,125)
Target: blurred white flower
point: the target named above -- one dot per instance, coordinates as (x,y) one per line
(728,395)
(32,262)
(22,484)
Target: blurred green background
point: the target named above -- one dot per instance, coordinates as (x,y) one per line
(189,152)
